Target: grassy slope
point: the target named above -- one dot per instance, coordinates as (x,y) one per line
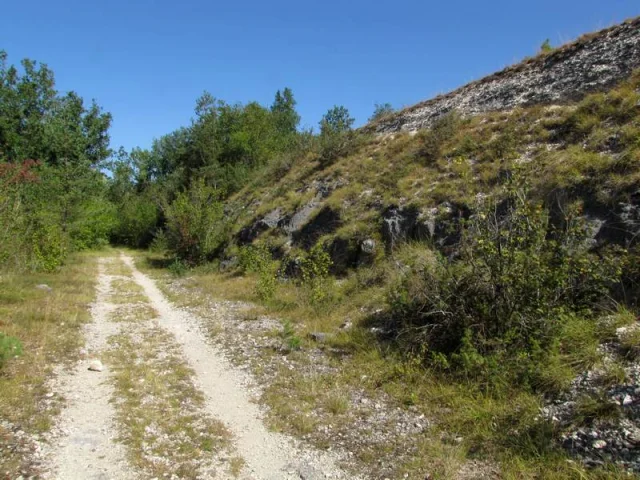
(562,147)
(590,151)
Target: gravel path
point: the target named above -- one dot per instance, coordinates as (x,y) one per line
(268,455)
(83,442)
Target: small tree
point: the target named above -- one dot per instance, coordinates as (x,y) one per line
(336,121)
(380,111)
(335,132)
(546,46)
(195,223)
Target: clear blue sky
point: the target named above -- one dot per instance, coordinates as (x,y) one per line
(147,61)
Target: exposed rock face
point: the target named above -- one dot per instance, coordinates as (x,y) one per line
(326,221)
(398,225)
(270,220)
(592,63)
(441,225)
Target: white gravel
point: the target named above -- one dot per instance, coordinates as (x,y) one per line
(83,442)
(268,455)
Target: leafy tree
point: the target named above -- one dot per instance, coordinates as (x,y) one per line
(335,133)
(284,112)
(60,144)
(195,224)
(336,121)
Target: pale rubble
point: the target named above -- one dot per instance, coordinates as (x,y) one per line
(595,62)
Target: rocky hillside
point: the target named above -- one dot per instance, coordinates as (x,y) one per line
(491,234)
(595,62)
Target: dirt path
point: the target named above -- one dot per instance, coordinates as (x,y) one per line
(268,455)
(86,448)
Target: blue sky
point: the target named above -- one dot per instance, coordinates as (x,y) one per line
(147,61)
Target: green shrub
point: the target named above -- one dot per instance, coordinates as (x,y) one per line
(159,243)
(9,347)
(336,134)
(288,335)
(506,297)
(314,269)
(253,258)
(94,225)
(381,111)
(431,141)
(267,281)
(546,46)
(137,221)
(195,223)
(258,259)
(49,248)
(178,268)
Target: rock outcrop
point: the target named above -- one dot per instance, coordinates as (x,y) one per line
(594,62)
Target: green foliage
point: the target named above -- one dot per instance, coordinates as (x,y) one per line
(505,300)
(381,111)
(178,268)
(335,133)
(194,223)
(159,244)
(267,282)
(254,258)
(52,146)
(616,107)
(593,407)
(10,347)
(136,221)
(336,120)
(288,335)
(97,219)
(432,140)
(546,46)
(284,112)
(49,248)
(258,259)
(314,269)
(37,123)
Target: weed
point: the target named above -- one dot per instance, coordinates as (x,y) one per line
(178,268)
(591,407)
(289,337)
(10,347)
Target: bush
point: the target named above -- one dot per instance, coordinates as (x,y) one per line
(9,348)
(253,258)
(137,220)
(195,226)
(504,300)
(288,335)
(432,140)
(381,111)
(314,269)
(159,243)
(95,224)
(336,133)
(258,259)
(177,267)
(49,248)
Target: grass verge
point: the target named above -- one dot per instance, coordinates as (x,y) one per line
(45,312)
